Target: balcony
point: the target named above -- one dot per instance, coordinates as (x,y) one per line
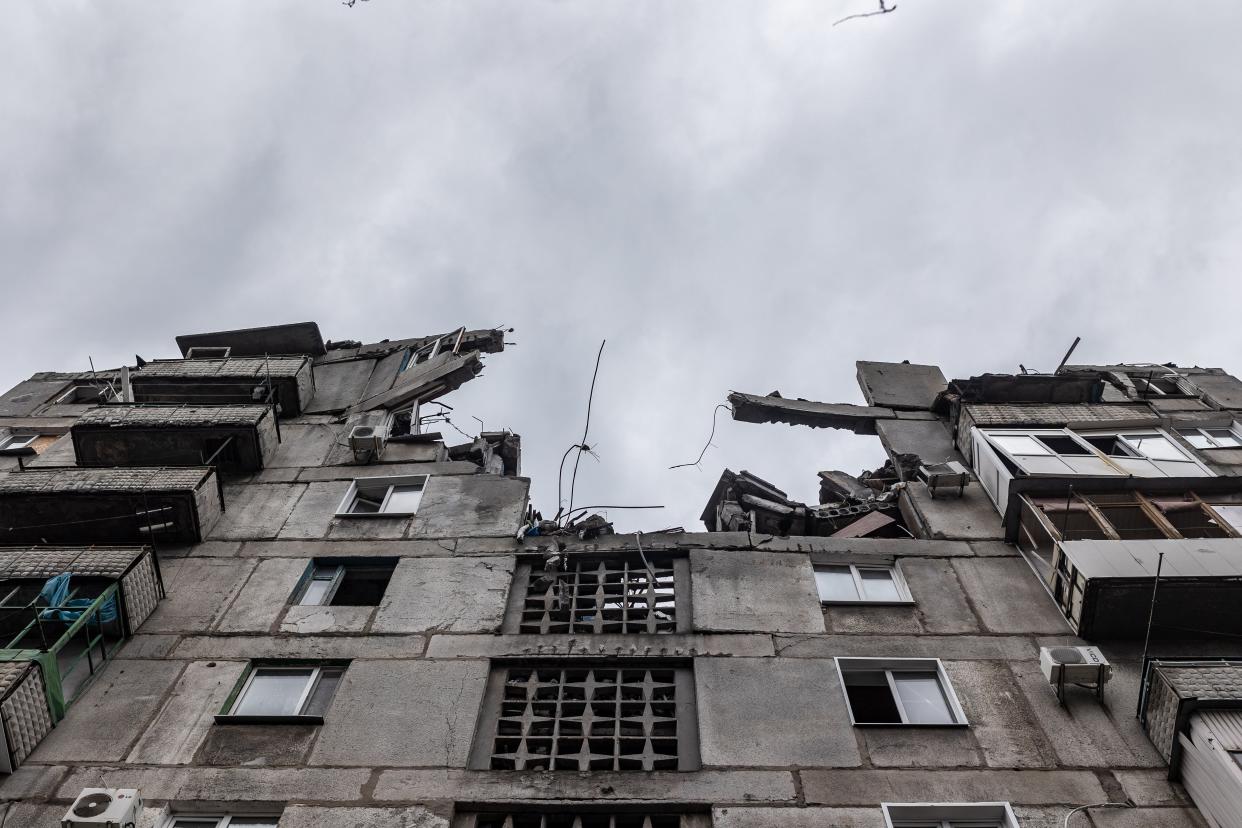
(287,381)
(64,613)
(1192,712)
(115,505)
(233,438)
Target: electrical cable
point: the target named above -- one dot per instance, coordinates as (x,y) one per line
(1065,824)
(582,446)
(709,439)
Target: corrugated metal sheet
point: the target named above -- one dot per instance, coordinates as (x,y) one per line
(1186,558)
(1211,775)
(1224,725)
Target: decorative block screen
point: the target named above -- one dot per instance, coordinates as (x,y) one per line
(621,594)
(589,717)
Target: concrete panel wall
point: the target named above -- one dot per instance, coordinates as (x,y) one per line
(775,740)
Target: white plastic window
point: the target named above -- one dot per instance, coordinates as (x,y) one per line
(861,584)
(322,585)
(1231,513)
(1060,452)
(18,441)
(1208,438)
(222,821)
(287,691)
(909,691)
(383,496)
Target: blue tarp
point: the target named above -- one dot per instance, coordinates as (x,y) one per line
(55,594)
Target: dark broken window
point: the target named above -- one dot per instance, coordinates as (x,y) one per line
(1063,444)
(1111,446)
(595,595)
(588,718)
(348,584)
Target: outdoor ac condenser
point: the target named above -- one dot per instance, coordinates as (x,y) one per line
(104,808)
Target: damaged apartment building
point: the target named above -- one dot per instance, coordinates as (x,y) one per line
(261,585)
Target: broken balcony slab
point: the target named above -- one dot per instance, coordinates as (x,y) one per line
(289,379)
(900,385)
(929,439)
(428,380)
(860,419)
(294,338)
(231,437)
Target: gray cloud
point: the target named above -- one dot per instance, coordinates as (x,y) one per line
(735,195)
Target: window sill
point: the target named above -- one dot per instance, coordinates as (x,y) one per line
(867,603)
(224,718)
(954,725)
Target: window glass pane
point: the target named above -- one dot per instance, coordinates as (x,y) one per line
(835,583)
(1232,514)
(321,696)
(879,585)
(1019,444)
(316,591)
(195,822)
(1224,437)
(253,822)
(1155,446)
(405,499)
(923,698)
(367,501)
(273,693)
(1196,439)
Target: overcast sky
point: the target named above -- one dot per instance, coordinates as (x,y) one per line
(735,194)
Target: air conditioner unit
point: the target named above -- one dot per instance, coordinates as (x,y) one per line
(366,438)
(104,808)
(1084,666)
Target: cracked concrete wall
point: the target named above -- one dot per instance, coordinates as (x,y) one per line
(775,740)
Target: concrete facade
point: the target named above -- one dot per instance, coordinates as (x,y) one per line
(775,745)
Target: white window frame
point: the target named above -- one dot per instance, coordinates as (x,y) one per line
(351,495)
(1079,437)
(848,664)
(223,819)
(899,581)
(1158,373)
(1203,432)
(949,814)
(307,691)
(17,442)
(335,573)
(104,393)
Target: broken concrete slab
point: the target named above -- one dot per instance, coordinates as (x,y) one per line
(929,439)
(900,384)
(752,408)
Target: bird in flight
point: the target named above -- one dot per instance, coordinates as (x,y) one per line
(884,9)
